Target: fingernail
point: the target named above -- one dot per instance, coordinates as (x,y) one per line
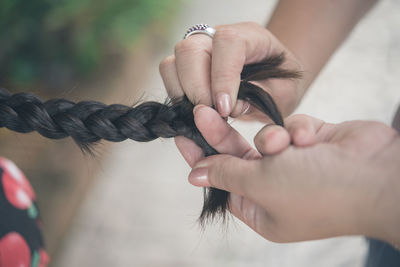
(245,107)
(224,105)
(196,108)
(199,177)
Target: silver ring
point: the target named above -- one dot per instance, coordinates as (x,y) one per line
(200,28)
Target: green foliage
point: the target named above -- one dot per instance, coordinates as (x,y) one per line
(59,39)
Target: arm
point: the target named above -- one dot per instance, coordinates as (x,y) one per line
(313,29)
(307,31)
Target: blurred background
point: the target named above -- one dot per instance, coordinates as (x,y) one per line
(130,204)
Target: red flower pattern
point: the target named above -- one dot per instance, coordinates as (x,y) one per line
(14,251)
(17,188)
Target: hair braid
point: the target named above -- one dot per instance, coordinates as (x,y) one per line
(87,122)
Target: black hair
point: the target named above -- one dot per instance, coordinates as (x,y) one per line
(87,122)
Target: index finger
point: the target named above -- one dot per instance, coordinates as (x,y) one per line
(233,47)
(219,134)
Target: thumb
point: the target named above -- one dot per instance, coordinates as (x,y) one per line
(228,173)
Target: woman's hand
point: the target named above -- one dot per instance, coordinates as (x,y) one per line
(208,70)
(337,179)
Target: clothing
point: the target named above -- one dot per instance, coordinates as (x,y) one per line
(381,254)
(21,242)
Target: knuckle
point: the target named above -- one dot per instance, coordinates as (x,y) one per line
(219,174)
(197,95)
(252,24)
(250,154)
(195,87)
(298,119)
(166,63)
(226,33)
(186,46)
(226,75)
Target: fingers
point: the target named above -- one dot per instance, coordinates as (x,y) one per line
(228,173)
(228,58)
(189,150)
(234,46)
(222,171)
(241,108)
(170,78)
(239,177)
(272,139)
(208,69)
(303,129)
(220,135)
(193,66)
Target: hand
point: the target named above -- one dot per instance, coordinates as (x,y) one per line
(345,183)
(208,70)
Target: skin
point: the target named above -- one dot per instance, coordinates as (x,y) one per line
(313,29)
(208,70)
(307,31)
(335,179)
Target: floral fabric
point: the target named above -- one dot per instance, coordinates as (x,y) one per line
(21,242)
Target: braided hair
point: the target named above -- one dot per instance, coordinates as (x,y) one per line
(88,122)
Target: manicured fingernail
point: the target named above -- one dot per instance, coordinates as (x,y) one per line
(224,105)
(199,177)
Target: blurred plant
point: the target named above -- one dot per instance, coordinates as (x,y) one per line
(58,40)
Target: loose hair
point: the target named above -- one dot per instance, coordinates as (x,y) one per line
(87,122)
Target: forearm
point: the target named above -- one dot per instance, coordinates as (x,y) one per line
(314,29)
